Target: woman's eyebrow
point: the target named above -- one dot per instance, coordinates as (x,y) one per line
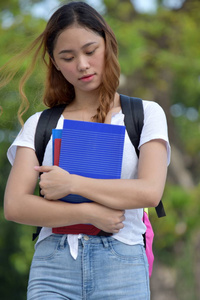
(70,50)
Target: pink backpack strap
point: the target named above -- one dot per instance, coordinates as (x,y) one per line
(149,235)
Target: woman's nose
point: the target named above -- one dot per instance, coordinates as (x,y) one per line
(83,63)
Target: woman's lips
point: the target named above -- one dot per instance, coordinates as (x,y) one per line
(87,77)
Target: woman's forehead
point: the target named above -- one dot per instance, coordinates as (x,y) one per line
(77,36)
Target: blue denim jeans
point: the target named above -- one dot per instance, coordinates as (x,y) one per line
(104,269)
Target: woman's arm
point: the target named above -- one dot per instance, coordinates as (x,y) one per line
(146,191)
(21,206)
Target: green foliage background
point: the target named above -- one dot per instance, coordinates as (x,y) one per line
(160,61)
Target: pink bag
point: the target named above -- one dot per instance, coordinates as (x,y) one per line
(149,235)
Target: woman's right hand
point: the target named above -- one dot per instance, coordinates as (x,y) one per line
(104,218)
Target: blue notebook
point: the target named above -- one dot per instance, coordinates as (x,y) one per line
(92,150)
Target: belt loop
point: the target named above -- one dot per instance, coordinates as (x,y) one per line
(62,242)
(104,240)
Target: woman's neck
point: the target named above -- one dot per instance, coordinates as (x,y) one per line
(84,107)
(86,101)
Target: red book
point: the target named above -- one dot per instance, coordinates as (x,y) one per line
(57,145)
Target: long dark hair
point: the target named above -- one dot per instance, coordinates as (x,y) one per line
(57,89)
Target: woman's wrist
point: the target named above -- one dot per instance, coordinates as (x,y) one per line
(75,184)
(84,212)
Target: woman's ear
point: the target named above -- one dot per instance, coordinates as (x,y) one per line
(54,63)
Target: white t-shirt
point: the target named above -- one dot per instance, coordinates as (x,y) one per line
(155,127)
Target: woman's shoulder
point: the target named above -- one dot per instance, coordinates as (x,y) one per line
(149,104)
(33,119)
(155,124)
(153,110)
(25,137)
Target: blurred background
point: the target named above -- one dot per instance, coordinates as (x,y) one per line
(159,53)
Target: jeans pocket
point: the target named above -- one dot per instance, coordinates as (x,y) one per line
(129,253)
(46,249)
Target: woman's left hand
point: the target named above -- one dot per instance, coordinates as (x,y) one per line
(55,182)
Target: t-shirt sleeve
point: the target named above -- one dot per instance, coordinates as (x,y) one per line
(25,138)
(155,125)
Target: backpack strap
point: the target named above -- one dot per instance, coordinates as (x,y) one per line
(133,110)
(35,234)
(160,210)
(47,121)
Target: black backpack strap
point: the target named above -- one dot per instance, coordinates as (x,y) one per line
(160,210)
(133,110)
(47,121)
(35,235)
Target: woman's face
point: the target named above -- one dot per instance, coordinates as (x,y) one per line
(79,54)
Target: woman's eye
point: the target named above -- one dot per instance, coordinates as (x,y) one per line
(90,52)
(68,59)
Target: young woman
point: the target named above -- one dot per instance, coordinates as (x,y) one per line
(80,52)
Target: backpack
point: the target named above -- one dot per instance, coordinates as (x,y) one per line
(132,108)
